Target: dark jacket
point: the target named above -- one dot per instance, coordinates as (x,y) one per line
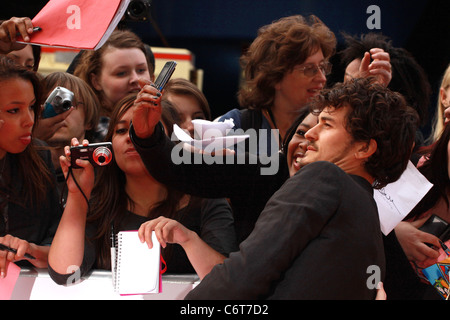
(318,238)
(249,191)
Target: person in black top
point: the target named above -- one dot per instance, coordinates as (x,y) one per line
(319,235)
(200,232)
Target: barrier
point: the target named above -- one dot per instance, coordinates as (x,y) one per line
(36,284)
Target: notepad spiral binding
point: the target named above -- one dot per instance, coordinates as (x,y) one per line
(115,267)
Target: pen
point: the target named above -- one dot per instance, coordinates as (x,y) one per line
(35,29)
(3,247)
(445,248)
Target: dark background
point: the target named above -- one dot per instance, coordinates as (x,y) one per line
(217,32)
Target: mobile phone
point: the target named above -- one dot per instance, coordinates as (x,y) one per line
(165,75)
(437,226)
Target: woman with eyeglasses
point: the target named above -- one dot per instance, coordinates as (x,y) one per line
(284,67)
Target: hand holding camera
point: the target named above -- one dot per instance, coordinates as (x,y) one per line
(81,181)
(60,100)
(98,154)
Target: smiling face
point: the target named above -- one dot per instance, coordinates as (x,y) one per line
(297,145)
(296,88)
(120,73)
(16,110)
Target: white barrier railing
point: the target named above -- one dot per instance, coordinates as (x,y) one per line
(36,284)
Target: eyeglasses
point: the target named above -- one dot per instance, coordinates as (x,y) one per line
(310,69)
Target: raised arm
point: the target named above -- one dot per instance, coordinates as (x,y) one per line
(67,249)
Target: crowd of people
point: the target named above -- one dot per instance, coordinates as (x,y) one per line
(311,230)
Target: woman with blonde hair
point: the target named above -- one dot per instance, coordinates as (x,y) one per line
(443,104)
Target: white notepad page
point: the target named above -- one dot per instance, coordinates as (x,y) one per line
(137,266)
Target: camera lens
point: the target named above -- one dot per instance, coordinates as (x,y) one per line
(66,105)
(138,9)
(102,156)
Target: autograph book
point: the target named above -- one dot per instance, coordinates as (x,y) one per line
(79,24)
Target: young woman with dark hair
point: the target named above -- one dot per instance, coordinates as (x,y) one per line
(126,197)
(29,200)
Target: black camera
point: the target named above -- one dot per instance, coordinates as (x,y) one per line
(138,10)
(98,154)
(59,101)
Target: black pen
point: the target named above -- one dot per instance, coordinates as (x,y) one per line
(3,247)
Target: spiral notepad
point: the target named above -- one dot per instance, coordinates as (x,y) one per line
(136,268)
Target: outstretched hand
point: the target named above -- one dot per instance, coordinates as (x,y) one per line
(147,109)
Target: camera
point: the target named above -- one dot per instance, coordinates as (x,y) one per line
(98,154)
(59,101)
(138,10)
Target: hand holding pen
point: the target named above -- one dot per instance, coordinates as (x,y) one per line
(10,29)
(15,249)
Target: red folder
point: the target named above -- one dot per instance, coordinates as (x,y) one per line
(80,24)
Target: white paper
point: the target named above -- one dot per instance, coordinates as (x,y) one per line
(397,199)
(138,267)
(210,135)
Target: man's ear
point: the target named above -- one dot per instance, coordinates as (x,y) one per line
(366,150)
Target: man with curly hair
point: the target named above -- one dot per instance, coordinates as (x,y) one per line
(319,235)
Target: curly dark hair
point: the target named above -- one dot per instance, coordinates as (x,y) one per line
(375,113)
(408,76)
(278,48)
